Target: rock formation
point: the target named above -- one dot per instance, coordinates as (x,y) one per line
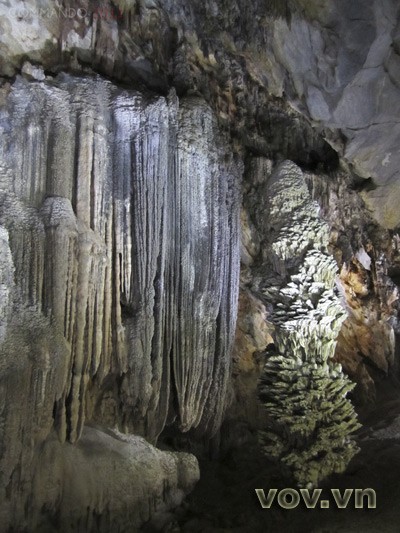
(120,265)
(302,389)
(169,170)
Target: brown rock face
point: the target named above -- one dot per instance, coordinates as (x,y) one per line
(367,338)
(367,256)
(245,414)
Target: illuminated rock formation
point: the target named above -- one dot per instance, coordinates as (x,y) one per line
(310,421)
(120,222)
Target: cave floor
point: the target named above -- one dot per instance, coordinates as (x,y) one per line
(225,499)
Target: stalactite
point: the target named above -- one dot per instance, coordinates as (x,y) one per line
(208,272)
(130,240)
(119,219)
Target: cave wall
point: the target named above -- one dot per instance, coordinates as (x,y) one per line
(126,129)
(337,65)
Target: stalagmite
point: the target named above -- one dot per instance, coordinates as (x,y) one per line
(303,390)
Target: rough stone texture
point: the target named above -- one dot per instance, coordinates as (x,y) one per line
(303,390)
(245,414)
(368,335)
(103,318)
(368,258)
(336,64)
(109,481)
(119,268)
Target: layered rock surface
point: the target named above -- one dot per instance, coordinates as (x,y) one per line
(367,257)
(109,481)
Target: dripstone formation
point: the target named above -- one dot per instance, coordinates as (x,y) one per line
(198,241)
(120,268)
(303,390)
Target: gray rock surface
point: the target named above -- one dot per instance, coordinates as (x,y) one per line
(109,481)
(342,67)
(336,64)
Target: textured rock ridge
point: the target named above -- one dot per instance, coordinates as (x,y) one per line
(125,481)
(119,264)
